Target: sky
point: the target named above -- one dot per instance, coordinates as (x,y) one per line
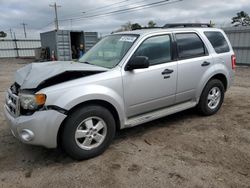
(39,17)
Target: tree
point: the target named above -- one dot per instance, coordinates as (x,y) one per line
(242,19)
(136,26)
(125,27)
(151,24)
(129,26)
(2,34)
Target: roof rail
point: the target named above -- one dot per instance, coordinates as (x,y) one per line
(187,25)
(148,28)
(180,25)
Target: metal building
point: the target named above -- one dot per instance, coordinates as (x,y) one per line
(240,40)
(18,47)
(65,42)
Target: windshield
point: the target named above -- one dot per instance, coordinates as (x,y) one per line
(109,51)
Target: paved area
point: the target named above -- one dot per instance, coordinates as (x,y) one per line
(181,150)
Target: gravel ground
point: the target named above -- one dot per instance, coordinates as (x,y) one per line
(181,150)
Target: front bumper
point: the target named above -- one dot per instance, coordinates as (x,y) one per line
(43,124)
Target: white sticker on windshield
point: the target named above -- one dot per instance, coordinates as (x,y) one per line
(127,39)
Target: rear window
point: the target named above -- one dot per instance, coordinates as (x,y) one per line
(189,45)
(218,41)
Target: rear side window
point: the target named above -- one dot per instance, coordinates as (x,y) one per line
(218,41)
(189,45)
(157,49)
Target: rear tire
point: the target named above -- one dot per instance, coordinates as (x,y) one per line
(211,98)
(88,132)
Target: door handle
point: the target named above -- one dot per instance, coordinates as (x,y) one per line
(167,71)
(205,63)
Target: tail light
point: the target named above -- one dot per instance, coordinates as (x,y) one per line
(233,59)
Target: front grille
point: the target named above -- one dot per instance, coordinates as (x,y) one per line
(12,103)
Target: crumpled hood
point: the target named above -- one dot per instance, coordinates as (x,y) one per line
(32,75)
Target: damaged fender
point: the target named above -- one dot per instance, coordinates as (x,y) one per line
(69,99)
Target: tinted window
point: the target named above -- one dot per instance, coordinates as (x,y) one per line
(189,45)
(218,41)
(157,49)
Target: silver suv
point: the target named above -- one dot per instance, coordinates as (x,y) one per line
(126,79)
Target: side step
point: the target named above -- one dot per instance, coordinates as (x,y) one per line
(158,114)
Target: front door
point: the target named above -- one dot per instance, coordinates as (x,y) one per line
(151,88)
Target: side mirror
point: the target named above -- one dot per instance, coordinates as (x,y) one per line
(138,62)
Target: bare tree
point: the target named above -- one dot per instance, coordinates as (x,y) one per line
(125,27)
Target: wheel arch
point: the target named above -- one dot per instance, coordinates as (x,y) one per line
(222,78)
(218,75)
(98,102)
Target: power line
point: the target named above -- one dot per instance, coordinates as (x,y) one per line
(122,6)
(149,5)
(110,5)
(86,13)
(46,25)
(104,8)
(56,18)
(98,8)
(107,13)
(93,10)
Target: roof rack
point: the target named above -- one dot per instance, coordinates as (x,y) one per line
(147,28)
(178,25)
(187,25)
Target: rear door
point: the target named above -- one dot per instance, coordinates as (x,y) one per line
(193,62)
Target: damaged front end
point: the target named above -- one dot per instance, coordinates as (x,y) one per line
(23,97)
(40,75)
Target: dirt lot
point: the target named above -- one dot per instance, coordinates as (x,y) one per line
(182,150)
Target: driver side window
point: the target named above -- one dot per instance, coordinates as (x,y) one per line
(157,49)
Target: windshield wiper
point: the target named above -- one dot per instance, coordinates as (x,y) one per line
(86,62)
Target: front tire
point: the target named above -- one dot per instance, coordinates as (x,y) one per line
(211,98)
(88,132)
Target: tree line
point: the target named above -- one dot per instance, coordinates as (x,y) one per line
(241,19)
(133,26)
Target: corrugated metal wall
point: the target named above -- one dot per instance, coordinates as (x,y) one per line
(240,40)
(90,39)
(63,45)
(60,42)
(18,48)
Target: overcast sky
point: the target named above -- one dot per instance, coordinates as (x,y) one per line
(39,16)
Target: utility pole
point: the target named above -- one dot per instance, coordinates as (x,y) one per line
(56,18)
(71,23)
(24,29)
(16,48)
(11,34)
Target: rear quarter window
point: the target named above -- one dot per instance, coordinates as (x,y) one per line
(218,41)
